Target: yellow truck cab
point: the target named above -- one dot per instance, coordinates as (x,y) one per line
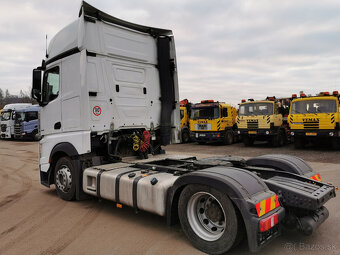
(185,114)
(313,118)
(264,120)
(213,122)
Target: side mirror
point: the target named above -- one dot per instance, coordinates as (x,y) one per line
(36,85)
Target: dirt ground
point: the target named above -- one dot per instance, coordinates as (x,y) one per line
(33,220)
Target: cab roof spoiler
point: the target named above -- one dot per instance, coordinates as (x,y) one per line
(92,12)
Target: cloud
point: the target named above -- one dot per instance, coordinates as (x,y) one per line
(226,49)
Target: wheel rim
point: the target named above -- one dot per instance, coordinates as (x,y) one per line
(64,178)
(206,216)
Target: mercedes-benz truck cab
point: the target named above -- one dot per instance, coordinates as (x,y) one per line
(27,123)
(106,86)
(8,118)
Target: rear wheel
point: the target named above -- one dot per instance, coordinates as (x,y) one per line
(208,219)
(64,178)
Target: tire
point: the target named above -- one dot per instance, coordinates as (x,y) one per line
(248,141)
(277,140)
(64,179)
(201,143)
(208,219)
(335,143)
(299,142)
(185,136)
(35,135)
(229,138)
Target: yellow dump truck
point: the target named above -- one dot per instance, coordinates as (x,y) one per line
(315,118)
(213,122)
(264,120)
(185,118)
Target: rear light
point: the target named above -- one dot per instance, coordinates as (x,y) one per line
(335,93)
(302,95)
(243,101)
(269,222)
(316,177)
(294,96)
(266,205)
(218,135)
(207,101)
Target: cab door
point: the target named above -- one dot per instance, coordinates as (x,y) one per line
(225,116)
(51,111)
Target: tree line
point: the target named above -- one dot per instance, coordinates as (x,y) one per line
(7,98)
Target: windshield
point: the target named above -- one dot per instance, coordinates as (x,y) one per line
(256,109)
(205,113)
(6,116)
(20,116)
(314,106)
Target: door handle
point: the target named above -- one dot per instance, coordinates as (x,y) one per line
(57,125)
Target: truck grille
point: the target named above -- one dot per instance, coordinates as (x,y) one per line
(311,125)
(17,129)
(253,125)
(3,127)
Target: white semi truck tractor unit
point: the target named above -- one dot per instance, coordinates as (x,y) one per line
(109,100)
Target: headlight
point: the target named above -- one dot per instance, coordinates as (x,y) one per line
(292,133)
(331,134)
(239,132)
(267,132)
(196,135)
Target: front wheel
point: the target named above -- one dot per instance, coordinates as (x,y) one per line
(208,219)
(299,142)
(185,136)
(35,135)
(64,179)
(229,138)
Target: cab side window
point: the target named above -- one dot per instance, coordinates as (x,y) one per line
(51,84)
(31,116)
(225,112)
(182,113)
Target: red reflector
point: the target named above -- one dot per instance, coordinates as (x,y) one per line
(269,222)
(218,135)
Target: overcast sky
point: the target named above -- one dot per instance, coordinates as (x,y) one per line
(226,49)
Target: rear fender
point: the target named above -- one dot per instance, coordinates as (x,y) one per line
(284,163)
(244,188)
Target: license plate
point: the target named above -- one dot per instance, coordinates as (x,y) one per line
(311,134)
(203,126)
(252,132)
(202,135)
